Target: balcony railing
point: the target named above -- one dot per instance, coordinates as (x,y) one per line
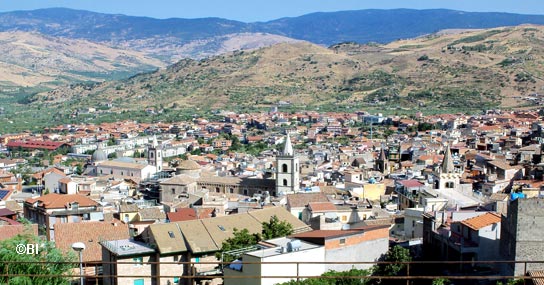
(414,271)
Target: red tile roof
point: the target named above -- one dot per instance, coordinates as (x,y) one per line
(89,233)
(410,183)
(322,207)
(49,145)
(302,199)
(482,221)
(58,201)
(9,231)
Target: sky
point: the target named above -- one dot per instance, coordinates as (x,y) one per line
(259,10)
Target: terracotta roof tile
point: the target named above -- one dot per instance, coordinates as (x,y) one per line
(300,200)
(322,207)
(90,233)
(57,201)
(482,221)
(9,231)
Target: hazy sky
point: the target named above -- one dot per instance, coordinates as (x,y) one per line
(258,10)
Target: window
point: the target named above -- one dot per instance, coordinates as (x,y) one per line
(231,190)
(245,192)
(111,171)
(296,167)
(284,182)
(151,155)
(173,190)
(101,171)
(217,189)
(122,173)
(171,235)
(342,241)
(284,167)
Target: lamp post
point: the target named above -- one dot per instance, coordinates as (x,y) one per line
(80,247)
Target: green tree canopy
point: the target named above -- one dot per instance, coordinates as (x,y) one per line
(240,239)
(276,228)
(45,268)
(396,255)
(350,277)
(243,238)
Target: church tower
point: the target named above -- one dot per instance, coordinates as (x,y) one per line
(287,170)
(382,163)
(447,176)
(154,154)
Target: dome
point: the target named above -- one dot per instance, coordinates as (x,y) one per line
(188,165)
(99,155)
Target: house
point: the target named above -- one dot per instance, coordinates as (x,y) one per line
(90,234)
(301,254)
(364,244)
(177,187)
(462,235)
(54,208)
(296,203)
(130,259)
(198,240)
(296,257)
(408,192)
(345,213)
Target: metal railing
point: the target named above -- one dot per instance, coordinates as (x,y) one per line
(411,273)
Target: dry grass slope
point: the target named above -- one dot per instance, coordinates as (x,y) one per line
(454,70)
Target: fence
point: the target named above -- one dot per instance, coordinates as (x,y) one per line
(411,273)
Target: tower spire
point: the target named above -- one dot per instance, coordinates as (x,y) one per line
(288,147)
(447,162)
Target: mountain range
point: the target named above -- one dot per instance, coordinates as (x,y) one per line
(459,70)
(326,28)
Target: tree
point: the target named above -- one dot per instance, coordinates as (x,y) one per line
(276,228)
(441,281)
(396,256)
(240,239)
(243,239)
(46,267)
(350,277)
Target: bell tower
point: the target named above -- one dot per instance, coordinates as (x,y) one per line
(154,154)
(287,170)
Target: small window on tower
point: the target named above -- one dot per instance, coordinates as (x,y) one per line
(284,182)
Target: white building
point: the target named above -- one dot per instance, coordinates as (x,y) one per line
(120,169)
(291,251)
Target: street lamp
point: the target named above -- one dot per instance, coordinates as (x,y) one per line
(80,247)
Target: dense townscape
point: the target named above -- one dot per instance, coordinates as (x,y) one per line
(167,203)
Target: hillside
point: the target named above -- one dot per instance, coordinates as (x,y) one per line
(31,59)
(172,39)
(460,71)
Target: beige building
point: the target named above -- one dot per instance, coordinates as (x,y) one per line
(119,169)
(130,260)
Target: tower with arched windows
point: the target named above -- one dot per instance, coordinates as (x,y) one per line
(447,177)
(287,170)
(154,155)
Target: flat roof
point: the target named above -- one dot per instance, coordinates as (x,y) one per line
(127,247)
(277,250)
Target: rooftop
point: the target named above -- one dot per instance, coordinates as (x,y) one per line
(127,247)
